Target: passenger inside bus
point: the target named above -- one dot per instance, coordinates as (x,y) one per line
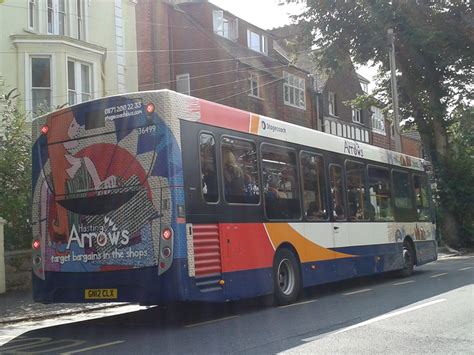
(234,183)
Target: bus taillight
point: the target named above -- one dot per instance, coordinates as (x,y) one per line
(44,130)
(150,108)
(36,244)
(167,233)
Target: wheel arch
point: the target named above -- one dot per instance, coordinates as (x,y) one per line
(290,247)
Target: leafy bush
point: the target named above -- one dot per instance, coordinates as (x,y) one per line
(15,172)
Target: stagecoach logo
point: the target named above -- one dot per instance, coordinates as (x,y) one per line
(87,236)
(353,148)
(273,128)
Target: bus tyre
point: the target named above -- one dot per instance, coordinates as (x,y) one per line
(286,277)
(408,260)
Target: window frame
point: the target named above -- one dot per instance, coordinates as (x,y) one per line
(356,115)
(375,119)
(262,42)
(30,79)
(332,109)
(222,136)
(294,88)
(219,22)
(187,77)
(80,22)
(33,15)
(78,82)
(53,15)
(257,85)
(297,179)
(323,194)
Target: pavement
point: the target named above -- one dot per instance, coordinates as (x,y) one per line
(18,306)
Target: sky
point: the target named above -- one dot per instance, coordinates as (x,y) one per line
(267,14)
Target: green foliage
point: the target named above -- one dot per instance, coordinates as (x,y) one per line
(460,181)
(15,173)
(433,42)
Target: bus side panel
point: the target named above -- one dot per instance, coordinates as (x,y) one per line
(426,251)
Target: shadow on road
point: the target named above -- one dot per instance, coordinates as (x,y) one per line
(254,326)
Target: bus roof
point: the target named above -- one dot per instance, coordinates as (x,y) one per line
(219,115)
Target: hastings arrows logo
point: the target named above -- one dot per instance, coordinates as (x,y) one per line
(87,236)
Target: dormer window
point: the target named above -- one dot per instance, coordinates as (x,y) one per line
(224,26)
(256,42)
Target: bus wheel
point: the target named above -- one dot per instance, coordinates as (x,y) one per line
(286,277)
(408,260)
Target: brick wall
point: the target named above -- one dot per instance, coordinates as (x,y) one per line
(411,147)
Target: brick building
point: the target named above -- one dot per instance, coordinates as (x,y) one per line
(334,88)
(200,49)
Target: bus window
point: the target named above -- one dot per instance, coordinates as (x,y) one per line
(312,172)
(359,209)
(240,171)
(337,199)
(402,196)
(422,201)
(280,178)
(380,196)
(207,149)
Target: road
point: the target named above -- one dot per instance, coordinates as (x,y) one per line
(430,312)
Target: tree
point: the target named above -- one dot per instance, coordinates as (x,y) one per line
(434,43)
(15,173)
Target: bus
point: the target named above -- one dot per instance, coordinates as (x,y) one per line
(158,197)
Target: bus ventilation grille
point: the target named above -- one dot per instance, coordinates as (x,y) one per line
(207,257)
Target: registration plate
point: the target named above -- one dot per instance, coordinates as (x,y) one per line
(100,294)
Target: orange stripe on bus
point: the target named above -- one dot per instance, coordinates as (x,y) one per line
(254,123)
(307,250)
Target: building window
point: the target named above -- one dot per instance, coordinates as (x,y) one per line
(256,42)
(254,87)
(183,84)
(223,26)
(62,17)
(40,83)
(33,15)
(356,115)
(378,121)
(365,87)
(294,90)
(80,19)
(332,103)
(56,13)
(79,78)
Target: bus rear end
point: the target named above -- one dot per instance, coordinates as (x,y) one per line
(107,190)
